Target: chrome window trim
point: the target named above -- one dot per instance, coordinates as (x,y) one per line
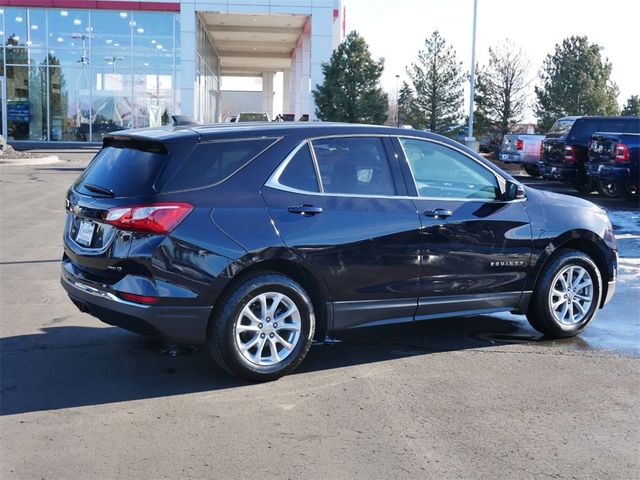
(273,180)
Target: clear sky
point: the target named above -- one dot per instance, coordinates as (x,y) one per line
(396,30)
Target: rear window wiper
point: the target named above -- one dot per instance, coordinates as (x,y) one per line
(98,189)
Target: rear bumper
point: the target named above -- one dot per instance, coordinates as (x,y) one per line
(562,174)
(610,173)
(185,324)
(520,158)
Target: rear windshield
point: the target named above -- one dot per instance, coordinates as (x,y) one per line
(213,162)
(121,172)
(560,127)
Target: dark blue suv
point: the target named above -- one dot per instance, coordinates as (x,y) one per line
(258,239)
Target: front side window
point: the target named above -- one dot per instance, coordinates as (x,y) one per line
(441,172)
(354,166)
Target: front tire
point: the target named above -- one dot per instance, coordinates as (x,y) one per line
(629,191)
(566,296)
(263,328)
(532,170)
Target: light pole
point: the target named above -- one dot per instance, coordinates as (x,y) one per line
(470,140)
(397,100)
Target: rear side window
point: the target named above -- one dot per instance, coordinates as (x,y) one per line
(355,166)
(300,172)
(125,172)
(561,127)
(213,162)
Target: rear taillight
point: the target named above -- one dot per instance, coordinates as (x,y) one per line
(519,144)
(542,151)
(569,154)
(152,218)
(621,153)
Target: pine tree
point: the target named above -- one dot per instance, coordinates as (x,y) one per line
(632,107)
(438,81)
(575,81)
(351,90)
(405,103)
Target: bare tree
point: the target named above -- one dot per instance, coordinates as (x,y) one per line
(502,90)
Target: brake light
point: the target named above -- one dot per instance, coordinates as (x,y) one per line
(139,298)
(541,150)
(569,154)
(157,218)
(519,144)
(621,153)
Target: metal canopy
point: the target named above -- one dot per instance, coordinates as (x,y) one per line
(251,44)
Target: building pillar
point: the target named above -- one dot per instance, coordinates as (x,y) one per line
(307,105)
(286,91)
(188,80)
(267,93)
(296,73)
(322,41)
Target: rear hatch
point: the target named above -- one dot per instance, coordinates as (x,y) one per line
(602,149)
(127,171)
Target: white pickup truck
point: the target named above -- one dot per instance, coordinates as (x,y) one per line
(523,149)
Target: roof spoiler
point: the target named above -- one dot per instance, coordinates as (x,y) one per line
(181,120)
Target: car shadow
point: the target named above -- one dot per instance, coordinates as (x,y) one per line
(67,366)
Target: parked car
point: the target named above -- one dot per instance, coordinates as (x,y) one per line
(564,150)
(252,117)
(257,240)
(614,163)
(523,149)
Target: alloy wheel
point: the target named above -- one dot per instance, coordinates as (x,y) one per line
(571,295)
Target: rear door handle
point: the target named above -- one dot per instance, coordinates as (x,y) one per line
(438,213)
(306,210)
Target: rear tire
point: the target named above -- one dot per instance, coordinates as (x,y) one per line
(628,191)
(567,295)
(532,170)
(584,186)
(607,189)
(263,328)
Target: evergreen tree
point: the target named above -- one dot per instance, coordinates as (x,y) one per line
(501,92)
(405,103)
(351,90)
(575,81)
(632,107)
(438,82)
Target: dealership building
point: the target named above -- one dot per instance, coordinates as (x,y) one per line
(72,71)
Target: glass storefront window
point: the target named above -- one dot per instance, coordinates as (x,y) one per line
(26,103)
(74,75)
(111,105)
(153,95)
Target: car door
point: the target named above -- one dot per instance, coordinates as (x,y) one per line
(340,203)
(475,247)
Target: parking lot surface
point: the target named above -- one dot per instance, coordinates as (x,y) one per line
(474,397)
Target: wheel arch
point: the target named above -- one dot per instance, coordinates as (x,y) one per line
(583,241)
(299,271)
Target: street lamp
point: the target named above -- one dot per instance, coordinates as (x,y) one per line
(397,100)
(470,140)
(112,61)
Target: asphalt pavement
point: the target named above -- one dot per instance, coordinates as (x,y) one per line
(481,397)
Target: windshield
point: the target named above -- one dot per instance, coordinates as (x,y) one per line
(253,117)
(561,127)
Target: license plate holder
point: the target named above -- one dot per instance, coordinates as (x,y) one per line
(85,232)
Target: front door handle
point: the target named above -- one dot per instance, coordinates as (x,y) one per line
(438,213)
(306,210)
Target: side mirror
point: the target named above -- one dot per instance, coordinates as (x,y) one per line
(513,191)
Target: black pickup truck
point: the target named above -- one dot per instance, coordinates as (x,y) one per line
(564,151)
(614,163)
